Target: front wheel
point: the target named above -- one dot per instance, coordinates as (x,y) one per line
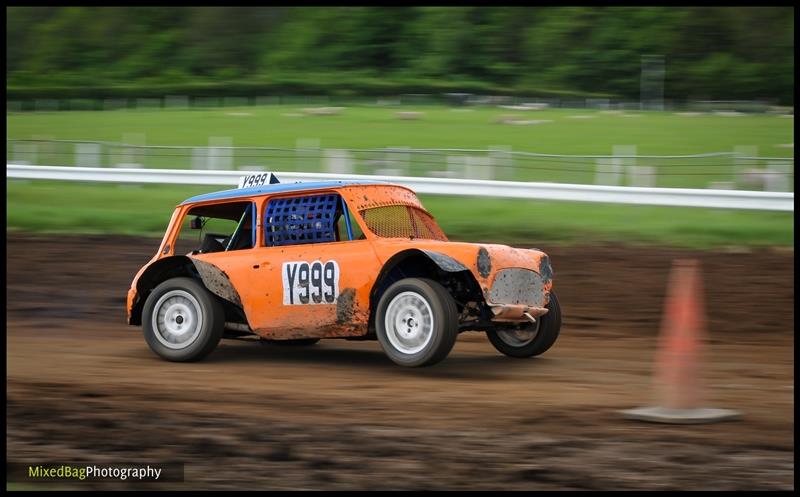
(417,322)
(531,339)
(182,321)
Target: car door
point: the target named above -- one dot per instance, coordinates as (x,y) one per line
(313,276)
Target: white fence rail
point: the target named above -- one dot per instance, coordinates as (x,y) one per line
(739,169)
(679,197)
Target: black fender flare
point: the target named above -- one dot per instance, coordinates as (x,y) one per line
(442,261)
(151,277)
(217,281)
(213,278)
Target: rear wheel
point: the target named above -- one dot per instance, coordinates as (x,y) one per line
(417,322)
(182,321)
(530,339)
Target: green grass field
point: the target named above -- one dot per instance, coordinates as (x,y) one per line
(72,207)
(561,131)
(655,133)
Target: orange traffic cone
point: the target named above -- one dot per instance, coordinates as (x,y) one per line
(678,375)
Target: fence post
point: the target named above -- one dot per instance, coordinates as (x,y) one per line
(397,158)
(24,152)
(643,176)
(132,156)
(48,151)
(220,153)
(741,165)
(88,155)
(307,154)
(502,161)
(607,172)
(478,168)
(456,166)
(338,161)
(200,158)
(627,159)
(777,178)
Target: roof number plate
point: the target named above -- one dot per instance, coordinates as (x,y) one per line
(257,180)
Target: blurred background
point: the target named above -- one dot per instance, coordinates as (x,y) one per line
(698,97)
(700,53)
(608,97)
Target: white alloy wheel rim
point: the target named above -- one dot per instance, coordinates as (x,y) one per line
(409,322)
(177,319)
(521,337)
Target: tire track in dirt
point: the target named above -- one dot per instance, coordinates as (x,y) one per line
(83,386)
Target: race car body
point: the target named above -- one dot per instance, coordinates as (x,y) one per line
(338,259)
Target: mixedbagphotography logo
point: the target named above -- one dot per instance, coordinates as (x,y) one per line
(81,472)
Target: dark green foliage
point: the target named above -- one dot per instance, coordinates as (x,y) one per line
(710,52)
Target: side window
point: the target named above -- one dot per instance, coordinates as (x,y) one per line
(300,220)
(345,219)
(216,228)
(307,219)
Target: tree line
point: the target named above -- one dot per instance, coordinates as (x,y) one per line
(708,52)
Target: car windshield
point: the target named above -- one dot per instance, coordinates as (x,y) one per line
(402,221)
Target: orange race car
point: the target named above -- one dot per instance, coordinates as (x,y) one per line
(294,263)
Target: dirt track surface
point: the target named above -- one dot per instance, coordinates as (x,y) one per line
(83,386)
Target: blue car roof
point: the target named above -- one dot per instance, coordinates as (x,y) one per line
(276,188)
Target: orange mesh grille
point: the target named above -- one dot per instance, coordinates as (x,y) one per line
(402,221)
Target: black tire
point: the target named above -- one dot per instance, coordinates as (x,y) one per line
(549,328)
(173,298)
(295,342)
(442,330)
